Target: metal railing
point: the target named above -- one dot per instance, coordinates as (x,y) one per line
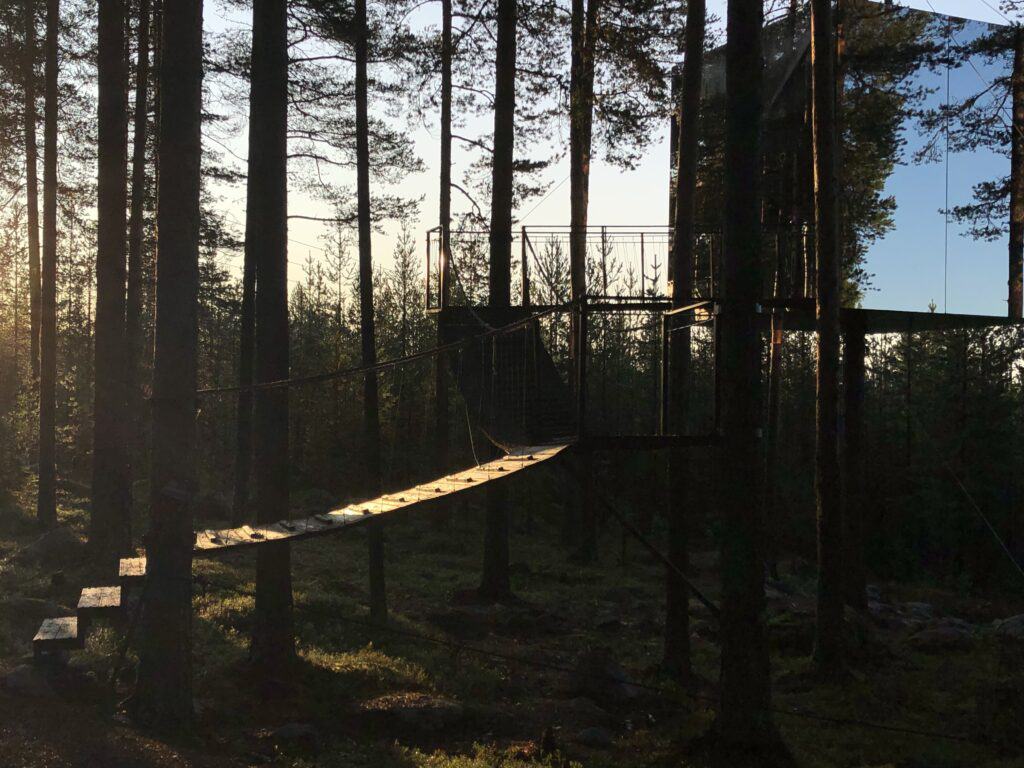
(623,262)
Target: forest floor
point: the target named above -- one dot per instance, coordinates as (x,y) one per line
(922,658)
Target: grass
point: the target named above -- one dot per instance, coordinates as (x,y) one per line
(356,684)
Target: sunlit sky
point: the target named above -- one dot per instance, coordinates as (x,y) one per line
(907,266)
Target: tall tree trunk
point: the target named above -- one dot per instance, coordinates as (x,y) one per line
(441,427)
(46,504)
(772,432)
(854,350)
(158,11)
(273,641)
(163,694)
(246,353)
(368,336)
(677,595)
(828,638)
(133,310)
(110,521)
(744,721)
(1016,280)
(494,580)
(673,154)
(581,120)
(32,183)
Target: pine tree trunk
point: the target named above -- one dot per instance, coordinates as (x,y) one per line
(494,581)
(581,110)
(110,521)
(133,311)
(673,155)
(441,426)
(581,90)
(163,695)
(773,431)
(854,350)
(273,641)
(32,183)
(744,720)
(1016,280)
(828,639)
(158,10)
(371,408)
(677,595)
(46,505)
(246,353)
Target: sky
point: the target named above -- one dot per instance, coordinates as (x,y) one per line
(910,267)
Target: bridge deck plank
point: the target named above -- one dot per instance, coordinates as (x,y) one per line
(215,542)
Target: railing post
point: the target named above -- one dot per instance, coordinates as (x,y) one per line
(643,266)
(581,366)
(443,266)
(666,330)
(604,261)
(427,286)
(525,267)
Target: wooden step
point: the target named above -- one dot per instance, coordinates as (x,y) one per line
(99,602)
(60,634)
(131,571)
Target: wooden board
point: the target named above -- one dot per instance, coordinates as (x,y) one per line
(210,543)
(131,569)
(99,601)
(57,634)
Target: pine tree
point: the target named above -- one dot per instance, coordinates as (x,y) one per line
(744,724)
(677,625)
(494,580)
(273,641)
(163,694)
(828,653)
(32,182)
(371,406)
(46,510)
(134,302)
(110,523)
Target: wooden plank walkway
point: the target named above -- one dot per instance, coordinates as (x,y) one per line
(68,632)
(97,602)
(214,542)
(58,634)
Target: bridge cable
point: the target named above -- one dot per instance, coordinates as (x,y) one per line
(646,544)
(341,373)
(967,494)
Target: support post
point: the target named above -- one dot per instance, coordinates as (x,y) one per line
(427,297)
(854,353)
(666,330)
(643,266)
(525,266)
(604,262)
(581,366)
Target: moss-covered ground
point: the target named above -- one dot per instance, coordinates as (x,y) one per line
(390,698)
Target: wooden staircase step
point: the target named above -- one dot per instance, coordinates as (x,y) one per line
(131,571)
(59,634)
(97,602)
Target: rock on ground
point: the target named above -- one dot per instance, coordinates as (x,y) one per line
(1011,628)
